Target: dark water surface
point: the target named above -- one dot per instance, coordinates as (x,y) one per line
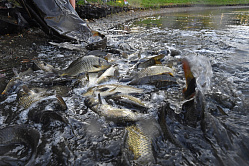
(215,40)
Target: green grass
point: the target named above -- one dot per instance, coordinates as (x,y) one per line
(158,3)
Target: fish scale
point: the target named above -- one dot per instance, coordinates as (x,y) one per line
(138,143)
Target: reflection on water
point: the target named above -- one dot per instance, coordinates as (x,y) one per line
(211,19)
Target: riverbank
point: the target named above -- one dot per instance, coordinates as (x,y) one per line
(163,3)
(111,21)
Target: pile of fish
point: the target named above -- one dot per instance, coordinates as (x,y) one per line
(115,91)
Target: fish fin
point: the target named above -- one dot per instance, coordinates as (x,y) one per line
(95,33)
(62,102)
(221,110)
(4,92)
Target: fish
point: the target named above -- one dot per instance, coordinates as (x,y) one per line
(115,114)
(111,72)
(164,126)
(139,138)
(110,89)
(84,64)
(16,81)
(157,80)
(150,71)
(189,91)
(45,66)
(27,96)
(150,62)
(154,70)
(16,135)
(127,101)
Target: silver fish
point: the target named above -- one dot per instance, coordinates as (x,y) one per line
(111,113)
(86,64)
(109,89)
(111,72)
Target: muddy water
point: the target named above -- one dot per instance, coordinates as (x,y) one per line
(216,42)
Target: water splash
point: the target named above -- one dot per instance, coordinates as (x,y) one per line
(202,71)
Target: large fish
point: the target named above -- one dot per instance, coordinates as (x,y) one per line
(154,70)
(109,89)
(150,71)
(157,80)
(111,113)
(88,63)
(139,140)
(11,138)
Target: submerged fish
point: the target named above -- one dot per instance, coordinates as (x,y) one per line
(13,136)
(88,63)
(109,89)
(111,113)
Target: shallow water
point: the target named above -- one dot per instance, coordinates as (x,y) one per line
(216,41)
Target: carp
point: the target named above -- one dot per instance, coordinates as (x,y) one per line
(154,70)
(149,71)
(127,101)
(139,140)
(111,113)
(88,63)
(157,80)
(29,96)
(109,89)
